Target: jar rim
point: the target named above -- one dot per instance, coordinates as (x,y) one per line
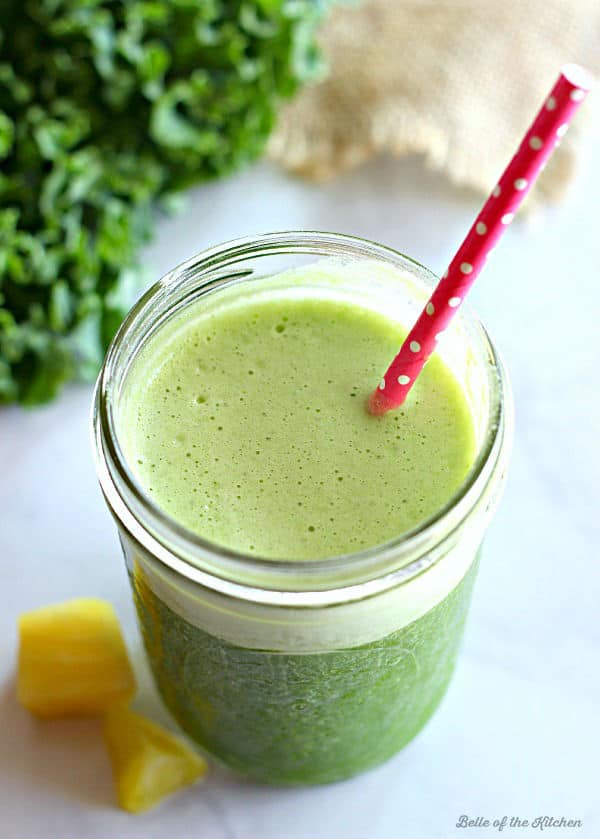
(312,582)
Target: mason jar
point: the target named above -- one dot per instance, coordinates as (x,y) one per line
(304,672)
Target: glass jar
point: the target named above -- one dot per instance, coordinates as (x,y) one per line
(304,672)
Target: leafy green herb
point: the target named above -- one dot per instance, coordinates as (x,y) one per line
(106,108)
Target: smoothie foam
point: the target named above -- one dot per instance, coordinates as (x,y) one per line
(247,424)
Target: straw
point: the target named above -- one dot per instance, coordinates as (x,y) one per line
(545,133)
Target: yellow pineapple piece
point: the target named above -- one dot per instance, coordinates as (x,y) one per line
(148,762)
(72,660)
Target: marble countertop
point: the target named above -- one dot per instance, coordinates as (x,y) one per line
(517,734)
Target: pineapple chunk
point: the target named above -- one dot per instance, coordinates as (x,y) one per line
(72,660)
(148,762)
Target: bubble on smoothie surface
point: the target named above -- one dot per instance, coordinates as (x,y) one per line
(263,445)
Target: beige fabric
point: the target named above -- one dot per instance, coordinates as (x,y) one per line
(456,81)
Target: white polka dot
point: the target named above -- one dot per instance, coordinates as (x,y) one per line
(535,143)
(414,346)
(520,184)
(550,103)
(382,384)
(445,274)
(496,190)
(577,95)
(507,218)
(562,130)
(403,380)
(454,302)
(481,228)
(430,308)
(466,267)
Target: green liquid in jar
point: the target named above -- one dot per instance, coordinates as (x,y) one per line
(247,424)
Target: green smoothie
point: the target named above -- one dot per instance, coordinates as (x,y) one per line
(249,427)
(246,422)
(310,718)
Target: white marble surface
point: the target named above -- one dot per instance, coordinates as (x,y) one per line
(517,734)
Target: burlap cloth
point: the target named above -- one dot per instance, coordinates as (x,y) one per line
(457,81)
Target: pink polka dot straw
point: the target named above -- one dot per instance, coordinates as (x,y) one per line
(539,142)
